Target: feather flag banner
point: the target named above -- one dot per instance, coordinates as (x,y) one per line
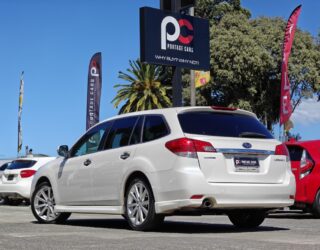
(285,99)
(21,93)
(94,90)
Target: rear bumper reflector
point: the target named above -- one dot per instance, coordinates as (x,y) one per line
(196,196)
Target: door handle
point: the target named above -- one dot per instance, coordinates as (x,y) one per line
(87,162)
(125,155)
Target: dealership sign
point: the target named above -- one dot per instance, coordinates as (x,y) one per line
(173,39)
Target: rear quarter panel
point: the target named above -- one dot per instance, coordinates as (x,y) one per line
(308,186)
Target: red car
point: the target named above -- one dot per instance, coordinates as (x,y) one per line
(305,164)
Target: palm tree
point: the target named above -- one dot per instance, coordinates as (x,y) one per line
(144,90)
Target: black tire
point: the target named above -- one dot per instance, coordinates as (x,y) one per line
(55,217)
(151,219)
(247,219)
(316,206)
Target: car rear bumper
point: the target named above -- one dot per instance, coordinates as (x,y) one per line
(174,193)
(233,196)
(17,190)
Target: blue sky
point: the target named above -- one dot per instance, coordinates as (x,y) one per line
(53,41)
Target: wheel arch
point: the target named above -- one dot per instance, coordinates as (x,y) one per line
(43,179)
(130,177)
(313,195)
(49,180)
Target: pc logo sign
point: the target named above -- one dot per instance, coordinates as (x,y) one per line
(178,24)
(174,39)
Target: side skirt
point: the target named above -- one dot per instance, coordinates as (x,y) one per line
(89,209)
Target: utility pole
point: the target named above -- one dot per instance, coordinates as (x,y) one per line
(192,77)
(177,6)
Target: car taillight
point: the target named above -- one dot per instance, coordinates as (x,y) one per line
(27,173)
(189,147)
(306,164)
(282,149)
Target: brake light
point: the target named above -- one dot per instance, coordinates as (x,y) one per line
(223,108)
(27,173)
(187,147)
(306,164)
(282,149)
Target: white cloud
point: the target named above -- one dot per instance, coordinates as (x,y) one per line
(307,113)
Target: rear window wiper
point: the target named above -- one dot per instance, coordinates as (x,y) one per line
(252,135)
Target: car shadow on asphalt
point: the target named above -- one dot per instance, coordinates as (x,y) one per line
(291,215)
(170,226)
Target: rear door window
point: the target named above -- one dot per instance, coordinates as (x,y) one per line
(222,124)
(20,164)
(136,134)
(155,127)
(120,132)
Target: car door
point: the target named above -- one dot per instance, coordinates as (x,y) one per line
(75,172)
(119,149)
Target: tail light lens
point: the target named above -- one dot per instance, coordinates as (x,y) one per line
(27,173)
(306,164)
(187,147)
(282,149)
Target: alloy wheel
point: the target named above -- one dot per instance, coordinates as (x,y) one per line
(44,204)
(138,203)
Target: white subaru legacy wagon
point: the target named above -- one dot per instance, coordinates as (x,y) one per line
(151,164)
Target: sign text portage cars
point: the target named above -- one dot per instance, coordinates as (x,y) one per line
(174,39)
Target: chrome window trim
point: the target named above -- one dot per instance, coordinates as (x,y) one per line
(244,151)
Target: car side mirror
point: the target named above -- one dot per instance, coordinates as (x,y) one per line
(63,151)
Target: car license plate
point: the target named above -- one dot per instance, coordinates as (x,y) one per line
(246,164)
(10,177)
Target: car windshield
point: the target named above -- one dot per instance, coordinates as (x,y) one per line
(222,124)
(19,164)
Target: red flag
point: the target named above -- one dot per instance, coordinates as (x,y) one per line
(285,99)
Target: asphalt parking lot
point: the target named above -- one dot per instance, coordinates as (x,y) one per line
(19,230)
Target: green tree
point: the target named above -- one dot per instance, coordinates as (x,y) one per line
(147,88)
(303,64)
(214,10)
(245,61)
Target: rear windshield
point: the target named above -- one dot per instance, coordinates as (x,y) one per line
(222,124)
(19,164)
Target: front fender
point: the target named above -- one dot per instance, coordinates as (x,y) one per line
(50,172)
